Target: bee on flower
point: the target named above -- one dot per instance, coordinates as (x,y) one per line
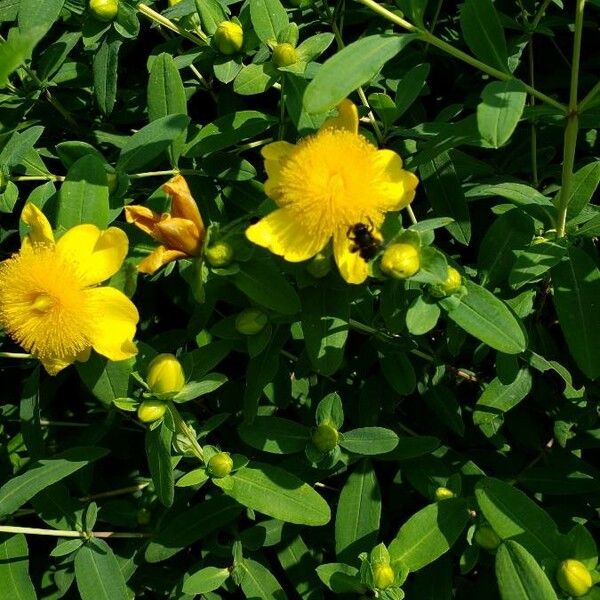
(324,186)
(180,232)
(50,299)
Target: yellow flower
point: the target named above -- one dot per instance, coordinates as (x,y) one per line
(49,300)
(323,185)
(180,232)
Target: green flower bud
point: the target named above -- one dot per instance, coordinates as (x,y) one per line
(151,410)
(174,2)
(401,261)
(251,321)
(443,493)
(229,37)
(486,538)
(165,375)
(104,10)
(453,281)
(319,266)
(383,576)
(325,437)
(220,464)
(219,254)
(574,578)
(284,55)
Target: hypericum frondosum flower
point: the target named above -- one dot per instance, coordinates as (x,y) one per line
(49,300)
(180,232)
(325,184)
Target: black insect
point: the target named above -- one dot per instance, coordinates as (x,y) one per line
(365,243)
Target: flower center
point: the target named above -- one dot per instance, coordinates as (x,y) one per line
(43,303)
(331,181)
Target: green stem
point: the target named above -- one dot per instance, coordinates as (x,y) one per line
(572,126)
(540,14)
(182,427)
(430,38)
(71,534)
(411,215)
(20,355)
(199,40)
(589,97)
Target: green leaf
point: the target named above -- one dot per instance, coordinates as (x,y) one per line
(181,530)
(422,316)
(83,196)
(43,473)
(369,441)
(263,283)
(340,578)
(15,51)
(258,582)
(497,399)
(519,576)
(254,79)
(279,494)
(268,19)
(483,33)
(106,68)
(500,111)
(576,284)
(148,143)
(166,96)
(325,317)
(40,16)
(14,568)
(227,131)
(205,580)
(98,574)
(206,385)
(445,195)
(158,450)
(358,513)
(518,193)
(583,186)
(410,87)
(532,263)
(429,533)
(106,379)
(212,14)
(487,318)
(275,435)
(512,515)
(350,68)
(443,403)
(512,231)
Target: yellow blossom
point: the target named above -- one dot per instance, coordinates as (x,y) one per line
(50,302)
(323,185)
(180,232)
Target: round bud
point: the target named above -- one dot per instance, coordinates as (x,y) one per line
(251,321)
(400,261)
(219,254)
(383,576)
(104,10)
(325,437)
(220,464)
(319,266)
(143,516)
(574,578)
(486,538)
(151,410)
(165,375)
(443,493)
(453,281)
(229,37)
(538,239)
(284,55)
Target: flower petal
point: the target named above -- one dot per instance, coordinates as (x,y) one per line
(347,117)
(282,233)
(159,258)
(397,186)
(54,365)
(179,234)
(351,266)
(143,218)
(183,204)
(277,150)
(97,254)
(115,320)
(40,231)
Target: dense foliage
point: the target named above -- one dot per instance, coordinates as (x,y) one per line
(241,357)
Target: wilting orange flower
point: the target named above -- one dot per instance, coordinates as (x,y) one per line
(180,232)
